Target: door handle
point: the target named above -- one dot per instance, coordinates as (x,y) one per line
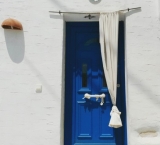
(88,96)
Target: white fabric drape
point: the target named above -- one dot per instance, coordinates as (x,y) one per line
(108,24)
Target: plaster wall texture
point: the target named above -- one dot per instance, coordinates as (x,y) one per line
(36,56)
(143,67)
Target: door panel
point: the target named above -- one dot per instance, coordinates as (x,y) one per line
(86,121)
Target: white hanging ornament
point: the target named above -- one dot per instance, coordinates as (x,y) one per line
(115,120)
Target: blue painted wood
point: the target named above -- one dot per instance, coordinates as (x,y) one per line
(94,144)
(121,101)
(86,122)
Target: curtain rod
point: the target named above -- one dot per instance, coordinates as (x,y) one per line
(91,12)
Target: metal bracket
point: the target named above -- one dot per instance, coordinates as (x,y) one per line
(89,16)
(118,85)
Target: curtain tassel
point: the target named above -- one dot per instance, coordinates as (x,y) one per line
(115,120)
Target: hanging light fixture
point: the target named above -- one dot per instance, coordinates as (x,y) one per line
(12,24)
(95,1)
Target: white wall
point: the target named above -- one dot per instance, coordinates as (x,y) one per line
(143,71)
(27,117)
(35,56)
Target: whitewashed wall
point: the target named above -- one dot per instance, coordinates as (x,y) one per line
(36,56)
(143,72)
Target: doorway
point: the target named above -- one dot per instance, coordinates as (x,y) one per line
(85,120)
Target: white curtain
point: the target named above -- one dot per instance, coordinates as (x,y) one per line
(108,24)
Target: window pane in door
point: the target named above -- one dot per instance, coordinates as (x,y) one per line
(84,75)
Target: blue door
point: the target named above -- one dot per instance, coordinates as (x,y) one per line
(85,120)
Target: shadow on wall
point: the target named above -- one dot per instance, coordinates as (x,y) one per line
(60,5)
(40,76)
(15,44)
(133,12)
(56,16)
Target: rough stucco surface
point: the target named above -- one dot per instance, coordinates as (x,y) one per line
(35,56)
(143,68)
